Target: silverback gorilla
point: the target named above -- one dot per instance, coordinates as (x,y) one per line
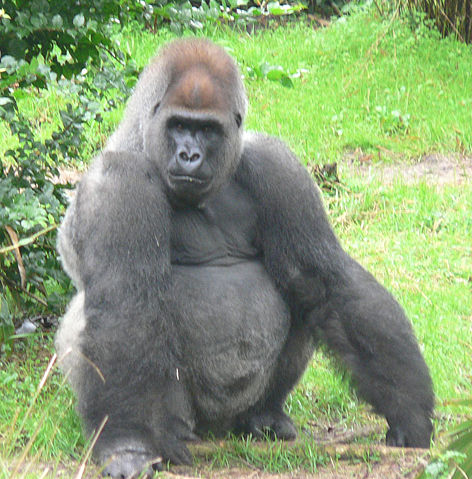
(206,272)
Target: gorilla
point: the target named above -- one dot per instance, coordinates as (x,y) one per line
(207,272)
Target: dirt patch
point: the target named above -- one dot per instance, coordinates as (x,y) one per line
(342,452)
(340,470)
(435,168)
(342,461)
(68,176)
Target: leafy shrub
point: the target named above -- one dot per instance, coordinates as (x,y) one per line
(456,461)
(449,16)
(42,43)
(194,15)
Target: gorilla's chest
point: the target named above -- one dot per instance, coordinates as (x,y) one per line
(221,232)
(230,317)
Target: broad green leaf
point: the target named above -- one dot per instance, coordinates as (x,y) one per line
(79,20)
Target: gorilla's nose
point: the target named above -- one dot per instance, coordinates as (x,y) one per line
(189,160)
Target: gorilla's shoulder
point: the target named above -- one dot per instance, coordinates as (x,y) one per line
(255,141)
(269,156)
(125,163)
(112,167)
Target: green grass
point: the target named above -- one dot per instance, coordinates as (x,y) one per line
(34,417)
(370,84)
(416,238)
(356,82)
(391,229)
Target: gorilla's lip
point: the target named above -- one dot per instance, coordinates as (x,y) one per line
(188,179)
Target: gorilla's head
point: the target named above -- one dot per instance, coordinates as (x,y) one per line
(194,126)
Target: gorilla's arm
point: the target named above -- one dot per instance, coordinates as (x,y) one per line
(333,295)
(297,240)
(120,229)
(116,237)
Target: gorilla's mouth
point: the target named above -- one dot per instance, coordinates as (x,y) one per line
(186,179)
(188,187)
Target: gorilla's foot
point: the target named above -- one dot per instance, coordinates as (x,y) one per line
(174,450)
(273,424)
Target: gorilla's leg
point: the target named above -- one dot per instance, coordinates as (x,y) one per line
(306,294)
(267,417)
(368,330)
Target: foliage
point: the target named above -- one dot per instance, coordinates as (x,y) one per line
(44,43)
(449,16)
(193,15)
(456,461)
(274,73)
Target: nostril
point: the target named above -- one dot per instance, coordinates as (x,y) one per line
(189,160)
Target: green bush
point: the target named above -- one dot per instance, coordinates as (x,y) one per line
(449,16)
(68,46)
(44,43)
(456,461)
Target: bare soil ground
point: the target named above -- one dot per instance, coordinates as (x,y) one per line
(435,168)
(343,461)
(341,452)
(386,469)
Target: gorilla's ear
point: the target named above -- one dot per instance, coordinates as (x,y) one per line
(156,107)
(238,119)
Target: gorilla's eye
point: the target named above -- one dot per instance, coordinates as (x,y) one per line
(238,119)
(156,107)
(179,126)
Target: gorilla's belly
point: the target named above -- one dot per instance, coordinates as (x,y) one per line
(233,324)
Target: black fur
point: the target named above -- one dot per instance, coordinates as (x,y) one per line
(201,315)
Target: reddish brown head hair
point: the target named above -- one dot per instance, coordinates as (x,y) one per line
(202,76)
(193,75)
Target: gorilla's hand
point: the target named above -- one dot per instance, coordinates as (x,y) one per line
(131,463)
(131,459)
(413,430)
(173,450)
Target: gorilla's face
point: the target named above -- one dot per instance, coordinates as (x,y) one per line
(195,148)
(196,151)
(194,133)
